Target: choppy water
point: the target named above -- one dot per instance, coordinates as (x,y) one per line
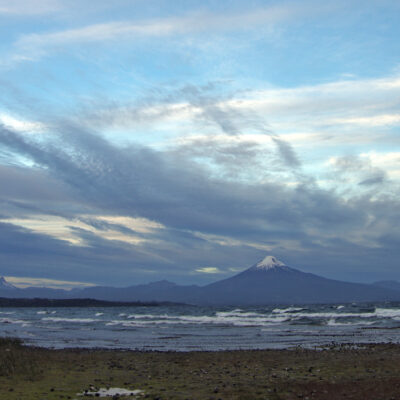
(186,328)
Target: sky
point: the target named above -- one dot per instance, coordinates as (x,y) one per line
(185,140)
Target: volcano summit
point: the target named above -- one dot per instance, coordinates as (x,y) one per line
(269,281)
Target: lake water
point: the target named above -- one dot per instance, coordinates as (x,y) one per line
(185,328)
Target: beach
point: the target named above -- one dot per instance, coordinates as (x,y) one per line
(334,372)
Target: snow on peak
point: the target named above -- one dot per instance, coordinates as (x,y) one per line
(269,262)
(4,284)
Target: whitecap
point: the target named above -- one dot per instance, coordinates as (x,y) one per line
(237,313)
(388,312)
(74,320)
(260,320)
(286,310)
(12,321)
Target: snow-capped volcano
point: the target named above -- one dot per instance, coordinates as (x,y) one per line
(5,285)
(269,281)
(269,262)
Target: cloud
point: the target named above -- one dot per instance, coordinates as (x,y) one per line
(208,270)
(35,46)
(23,282)
(213,110)
(388,161)
(20,125)
(333,115)
(323,106)
(147,182)
(30,7)
(356,170)
(174,192)
(23,252)
(132,177)
(128,230)
(375,120)
(194,214)
(287,152)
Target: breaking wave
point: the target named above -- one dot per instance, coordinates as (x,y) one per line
(190,327)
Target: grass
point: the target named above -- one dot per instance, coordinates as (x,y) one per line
(17,360)
(372,372)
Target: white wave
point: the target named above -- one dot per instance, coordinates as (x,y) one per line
(201,320)
(99,313)
(235,311)
(13,321)
(152,316)
(238,313)
(42,312)
(144,316)
(73,320)
(333,322)
(393,313)
(340,307)
(122,315)
(388,312)
(219,317)
(286,310)
(233,320)
(328,315)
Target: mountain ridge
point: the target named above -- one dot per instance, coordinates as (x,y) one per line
(269,281)
(6,285)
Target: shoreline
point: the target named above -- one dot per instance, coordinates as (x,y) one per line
(333,346)
(370,371)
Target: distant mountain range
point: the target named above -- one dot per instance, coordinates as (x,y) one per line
(394,285)
(269,281)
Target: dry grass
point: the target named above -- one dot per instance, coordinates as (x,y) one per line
(345,373)
(17,360)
